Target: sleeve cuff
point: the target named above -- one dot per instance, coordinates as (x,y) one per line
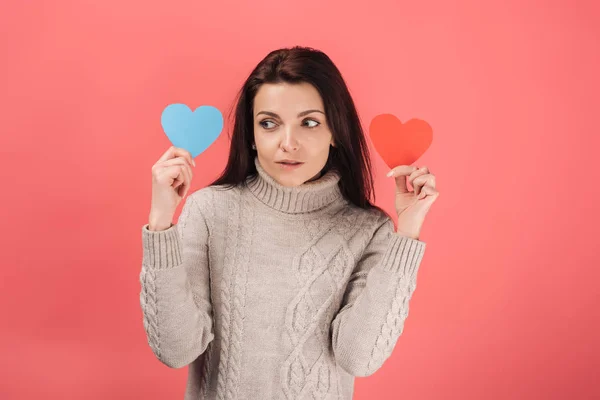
(403,255)
(162,249)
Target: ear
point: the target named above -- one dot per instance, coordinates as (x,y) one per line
(332,142)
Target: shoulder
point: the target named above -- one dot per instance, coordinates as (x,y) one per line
(372,215)
(368,219)
(201,198)
(208,199)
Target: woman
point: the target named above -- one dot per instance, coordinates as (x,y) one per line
(281,273)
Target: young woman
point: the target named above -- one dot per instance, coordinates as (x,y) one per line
(282,274)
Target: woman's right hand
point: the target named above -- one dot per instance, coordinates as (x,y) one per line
(171,179)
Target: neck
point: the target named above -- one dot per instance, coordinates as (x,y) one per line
(308,197)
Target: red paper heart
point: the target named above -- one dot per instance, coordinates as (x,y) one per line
(398,143)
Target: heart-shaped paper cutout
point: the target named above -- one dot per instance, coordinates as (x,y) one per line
(193,131)
(400,143)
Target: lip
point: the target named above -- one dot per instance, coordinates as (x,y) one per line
(289,166)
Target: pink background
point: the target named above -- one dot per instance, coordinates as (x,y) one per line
(507,304)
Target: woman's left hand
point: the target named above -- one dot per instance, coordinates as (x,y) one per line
(413,206)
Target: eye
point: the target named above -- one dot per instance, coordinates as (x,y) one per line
(263,122)
(316,123)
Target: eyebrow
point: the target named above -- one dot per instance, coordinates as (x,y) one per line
(303,113)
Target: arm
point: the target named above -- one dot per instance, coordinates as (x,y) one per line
(375,303)
(175,288)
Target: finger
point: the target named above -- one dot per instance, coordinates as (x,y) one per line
(420,171)
(428,191)
(176,175)
(187,179)
(401,170)
(399,173)
(412,177)
(401,184)
(158,169)
(167,154)
(172,175)
(174,161)
(177,151)
(188,156)
(422,180)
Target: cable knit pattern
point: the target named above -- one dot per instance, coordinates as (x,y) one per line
(226,289)
(405,286)
(148,303)
(286,292)
(239,273)
(160,252)
(206,371)
(297,376)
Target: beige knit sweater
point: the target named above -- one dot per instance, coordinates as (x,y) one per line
(272,292)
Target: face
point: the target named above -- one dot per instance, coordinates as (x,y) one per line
(291,133)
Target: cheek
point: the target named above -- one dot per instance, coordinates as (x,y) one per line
(318,141)
(262,140)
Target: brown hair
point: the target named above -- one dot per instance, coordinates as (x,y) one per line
(350,156)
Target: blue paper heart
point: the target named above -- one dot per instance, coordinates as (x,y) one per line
(194,131)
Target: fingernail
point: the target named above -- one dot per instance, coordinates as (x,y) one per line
(193,162)
(390,173)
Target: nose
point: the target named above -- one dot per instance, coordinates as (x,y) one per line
(289,142)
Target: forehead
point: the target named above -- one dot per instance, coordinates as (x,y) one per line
(287,99)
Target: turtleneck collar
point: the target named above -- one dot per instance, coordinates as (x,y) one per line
(309,196)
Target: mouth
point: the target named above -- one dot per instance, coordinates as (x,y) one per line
(289,164)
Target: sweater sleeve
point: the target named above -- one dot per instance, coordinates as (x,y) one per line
(376,301)
(175,288)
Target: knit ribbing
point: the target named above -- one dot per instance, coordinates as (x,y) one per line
(308,197)
(162,250)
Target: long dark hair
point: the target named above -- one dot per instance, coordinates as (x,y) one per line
(350,156)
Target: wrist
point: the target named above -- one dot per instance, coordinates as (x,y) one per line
(158,228)
(159,224)
(408,227)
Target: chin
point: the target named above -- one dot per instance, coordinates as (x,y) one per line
(292,178)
